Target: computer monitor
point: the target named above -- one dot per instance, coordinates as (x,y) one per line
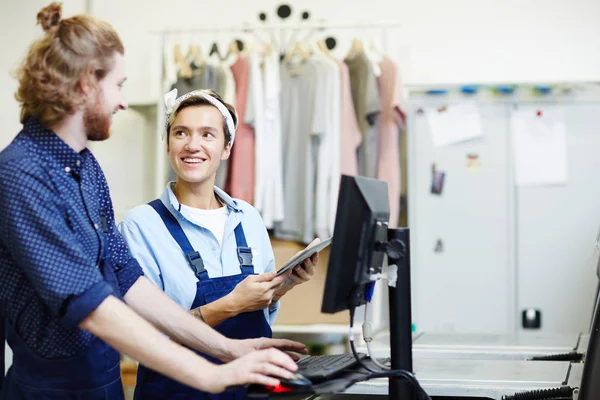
(361,225)
(361,239)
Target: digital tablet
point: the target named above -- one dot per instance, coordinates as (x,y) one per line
(303,255)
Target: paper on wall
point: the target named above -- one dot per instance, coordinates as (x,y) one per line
(454,123)
(540,145)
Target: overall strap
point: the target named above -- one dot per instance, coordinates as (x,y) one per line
(192,256)
(2,349)
(244,252)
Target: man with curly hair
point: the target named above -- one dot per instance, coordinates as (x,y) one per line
(70,292)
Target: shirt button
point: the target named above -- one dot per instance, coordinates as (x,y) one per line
(78,163)
(67,169)
(96,226)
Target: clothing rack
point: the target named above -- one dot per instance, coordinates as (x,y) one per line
(378,312)
(281,26)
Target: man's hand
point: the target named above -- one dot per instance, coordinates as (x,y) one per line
(239,348)
(301,273)
(255,292)
(261,367)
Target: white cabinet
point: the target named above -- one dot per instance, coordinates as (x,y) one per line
(556,231)
(459,238)
(484,249)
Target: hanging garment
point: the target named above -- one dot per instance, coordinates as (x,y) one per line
(351,137)
(390,120)
(240,180)
(298,95)
(255,118)
(366,100)
(327,130)
(154,386)
(228,93)
(266,118)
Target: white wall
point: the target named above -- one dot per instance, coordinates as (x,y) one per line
(460,41)
(18,22)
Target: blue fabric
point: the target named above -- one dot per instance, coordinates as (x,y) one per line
(51,202)
(93,374)
(154,386)
(244,252)
(193,257)
(164,262)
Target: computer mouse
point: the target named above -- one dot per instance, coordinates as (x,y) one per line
(298,384)
(298,380)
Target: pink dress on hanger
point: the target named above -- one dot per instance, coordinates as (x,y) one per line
(391,120)
(351,136)
(240,181)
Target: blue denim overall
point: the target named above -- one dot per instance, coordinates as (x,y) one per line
(154,386)
(94,374)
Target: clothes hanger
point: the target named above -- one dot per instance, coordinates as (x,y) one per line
(297,50)
(185,71)
(269,48)
(373,56)
(356,48)
(214,53)
(320,45)
(373,51)
(233,52)
(195,54)
(323,48)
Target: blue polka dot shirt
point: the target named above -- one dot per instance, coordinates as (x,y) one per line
(54,207)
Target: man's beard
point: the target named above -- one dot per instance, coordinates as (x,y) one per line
(95,121)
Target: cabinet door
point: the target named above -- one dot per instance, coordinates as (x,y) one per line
(465,285)
(556,230)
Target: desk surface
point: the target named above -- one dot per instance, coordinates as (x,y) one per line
(551,342)
(519,346)
(491,378)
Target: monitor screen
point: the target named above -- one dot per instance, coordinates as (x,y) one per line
(361,224)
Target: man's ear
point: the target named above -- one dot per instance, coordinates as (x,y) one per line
(88,81)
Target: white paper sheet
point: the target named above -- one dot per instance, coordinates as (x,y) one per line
(454,123)
(540,145)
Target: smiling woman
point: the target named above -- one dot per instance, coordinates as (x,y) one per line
(197,140)
(207,251)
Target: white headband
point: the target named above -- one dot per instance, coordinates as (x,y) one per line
(171,102)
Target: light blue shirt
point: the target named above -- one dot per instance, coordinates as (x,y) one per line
(158,253)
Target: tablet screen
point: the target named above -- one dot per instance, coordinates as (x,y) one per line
(304,254)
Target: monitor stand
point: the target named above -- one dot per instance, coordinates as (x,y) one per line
(397,249)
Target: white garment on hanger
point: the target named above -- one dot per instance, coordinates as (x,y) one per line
(255,117)
(229,94)
(374,55)
(328,127)
(269,188)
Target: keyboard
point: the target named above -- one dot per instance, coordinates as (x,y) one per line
(317,368)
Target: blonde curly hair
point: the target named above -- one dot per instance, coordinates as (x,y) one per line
(50,75)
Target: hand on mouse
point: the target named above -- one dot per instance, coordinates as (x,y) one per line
(262,367)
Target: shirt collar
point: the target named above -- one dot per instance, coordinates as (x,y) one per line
(169,198)
(53,147)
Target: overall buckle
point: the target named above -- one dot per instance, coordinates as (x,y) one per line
(196,263)
(245,256)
